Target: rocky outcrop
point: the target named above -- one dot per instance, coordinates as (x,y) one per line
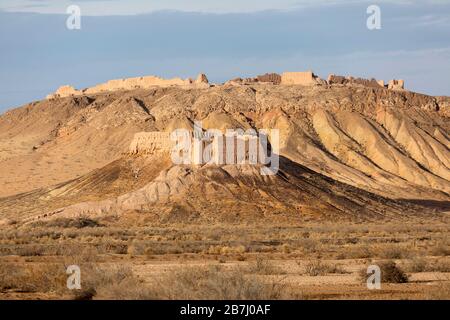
(396,85)
(202,79)
(443,105)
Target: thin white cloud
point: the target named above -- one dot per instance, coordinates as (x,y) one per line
(431,20)
(132,7)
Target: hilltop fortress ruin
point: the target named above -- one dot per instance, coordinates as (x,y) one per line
(131,84)
(306,78)
(309,78)
(161,142)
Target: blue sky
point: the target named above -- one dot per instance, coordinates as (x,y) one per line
(224,39)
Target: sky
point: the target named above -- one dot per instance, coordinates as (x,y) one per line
(224,39)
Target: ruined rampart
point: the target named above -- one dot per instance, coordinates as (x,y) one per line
(274,78)
(334,79)
(150,142)
(231,148)
(371,83)
(306,78)
(130,84)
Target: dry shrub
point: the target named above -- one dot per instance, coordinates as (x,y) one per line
(215,283)
(356,252)
(286,248)
(111,282)
(441,249)
(309,245)
(439,266)
(137,248)
(80,255)
(98,282)
(421,265)
(79,223)
(264,267)
(221,259)
(241,257)
(318,268)
(117,248)
(390,273)
(118,282)
(30,250)
(394,252)
(226,250)
(417,265)
(37,277)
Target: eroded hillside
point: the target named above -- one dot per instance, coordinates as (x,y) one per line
(360,150)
